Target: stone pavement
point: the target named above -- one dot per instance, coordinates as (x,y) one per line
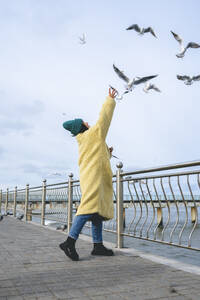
(33,267)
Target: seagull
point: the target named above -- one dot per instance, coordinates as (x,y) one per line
(187,79)
(1,218)
(183,49)
(61,227)
(55,174)
(140,30)
(150,86)
(131,82)
(82,39)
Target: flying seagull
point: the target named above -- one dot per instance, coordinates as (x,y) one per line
(150,86)
(141,30)
(82,39)
(187,79)
(131,82)
(183,49)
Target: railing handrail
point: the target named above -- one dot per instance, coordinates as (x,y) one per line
(163,168)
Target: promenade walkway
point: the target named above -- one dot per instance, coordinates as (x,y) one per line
(33,267)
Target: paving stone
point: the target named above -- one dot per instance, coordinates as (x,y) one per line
(33,267)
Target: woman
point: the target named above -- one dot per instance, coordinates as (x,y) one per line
(95,179)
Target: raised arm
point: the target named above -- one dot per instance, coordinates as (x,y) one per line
(106,113)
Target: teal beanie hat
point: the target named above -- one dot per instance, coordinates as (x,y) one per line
(74,126)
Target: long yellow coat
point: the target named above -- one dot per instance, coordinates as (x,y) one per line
(94,164)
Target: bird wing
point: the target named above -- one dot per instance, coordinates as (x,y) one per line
(177,37)
(184,77)
(135,27)
(144,79)
(196,78)
(192,45)
(149,29)
(155,88)
(120,74)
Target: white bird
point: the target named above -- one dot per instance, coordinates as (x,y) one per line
(82,39)
(183,49)
(61,227)
(150,86)
(131,82)
(19,217)
(187,79)
(141,30)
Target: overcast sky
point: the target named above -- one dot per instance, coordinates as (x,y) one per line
(45,72)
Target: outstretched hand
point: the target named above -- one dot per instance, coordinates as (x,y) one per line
(112,92)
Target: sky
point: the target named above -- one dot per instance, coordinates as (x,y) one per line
(46,72)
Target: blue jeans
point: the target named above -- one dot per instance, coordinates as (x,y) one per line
(80,221)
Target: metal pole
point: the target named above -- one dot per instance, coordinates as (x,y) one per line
(43,202)
(0,200)
(6,204)
(26,201)
(70,202)
(119,208)
(15,202)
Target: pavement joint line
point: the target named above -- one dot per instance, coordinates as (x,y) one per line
(134,252)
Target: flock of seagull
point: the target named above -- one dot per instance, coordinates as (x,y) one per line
(132,82)
(19,216)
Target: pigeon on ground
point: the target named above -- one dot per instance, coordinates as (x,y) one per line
(9,213)
(187,79)
(61,227)
(131,82)
(20,216)
(150,86)
(82,39)
(183,49)
(1,218)
(141,30)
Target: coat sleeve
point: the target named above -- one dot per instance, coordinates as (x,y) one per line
(105,116)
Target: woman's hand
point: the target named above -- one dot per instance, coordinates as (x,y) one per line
(112,92)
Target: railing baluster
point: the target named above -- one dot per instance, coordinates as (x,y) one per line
(177,210)
(119,206)
(43,202)
(70,202)
(0,200)
(147,212)
(196,219)
(186,211)
(132,201)
(26,201)
(153,218)
(160,221)
(15,202)
(168,207)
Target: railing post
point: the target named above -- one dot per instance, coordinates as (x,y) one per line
(119,208)
(26,201)
(6,204)
(0,200)
(15,202)
(43,202)
(70,202)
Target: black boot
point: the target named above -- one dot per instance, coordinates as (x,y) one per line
(69,248)
(100,249)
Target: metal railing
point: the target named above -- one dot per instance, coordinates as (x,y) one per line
(157,204)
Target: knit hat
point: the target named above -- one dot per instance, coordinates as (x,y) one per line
(74,126)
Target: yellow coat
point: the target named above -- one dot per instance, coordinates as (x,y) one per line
(94,164)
